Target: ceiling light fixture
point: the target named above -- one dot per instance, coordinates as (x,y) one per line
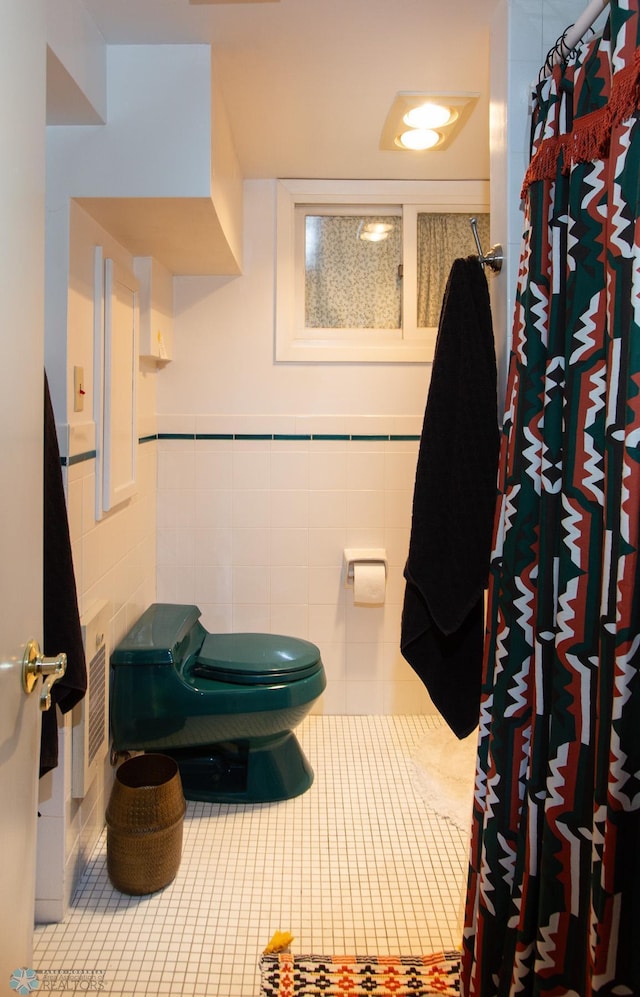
(427,114)
(419,139)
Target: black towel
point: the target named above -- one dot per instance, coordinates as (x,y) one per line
(61,623)
(453,504)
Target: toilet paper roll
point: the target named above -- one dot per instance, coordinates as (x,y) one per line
(368,584)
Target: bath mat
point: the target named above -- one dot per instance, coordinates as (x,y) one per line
(444,770)
(287,975)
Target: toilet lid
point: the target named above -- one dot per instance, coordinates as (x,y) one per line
(249,659)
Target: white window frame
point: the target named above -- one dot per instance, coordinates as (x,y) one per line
(296,344)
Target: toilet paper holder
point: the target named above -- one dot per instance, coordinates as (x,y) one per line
(366,555)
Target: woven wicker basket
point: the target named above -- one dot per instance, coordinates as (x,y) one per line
(144,824)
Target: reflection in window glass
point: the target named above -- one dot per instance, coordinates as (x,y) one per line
(442,238)
(352,271)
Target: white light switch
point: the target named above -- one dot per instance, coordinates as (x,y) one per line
(78,389)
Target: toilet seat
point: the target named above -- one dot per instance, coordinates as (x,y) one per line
(255,659)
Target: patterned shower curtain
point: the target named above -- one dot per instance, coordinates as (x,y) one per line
(553,904)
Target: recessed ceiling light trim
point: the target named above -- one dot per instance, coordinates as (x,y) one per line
(456,106)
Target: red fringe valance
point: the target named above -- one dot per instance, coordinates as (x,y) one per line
(589,139)
(543,164)
(591,133)
(625,92)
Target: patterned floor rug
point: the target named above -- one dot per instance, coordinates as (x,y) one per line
(287,975)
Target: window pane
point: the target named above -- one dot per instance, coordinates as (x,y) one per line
(442,238)
(352,278)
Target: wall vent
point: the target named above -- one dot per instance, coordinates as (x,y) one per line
(90,737)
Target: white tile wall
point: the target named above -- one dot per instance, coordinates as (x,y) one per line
(113,560)
(265,550)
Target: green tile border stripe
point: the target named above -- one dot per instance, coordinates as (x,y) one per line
(330,436)
(358,437)
(376,437)
(250,436)
(347,437)
(78,458)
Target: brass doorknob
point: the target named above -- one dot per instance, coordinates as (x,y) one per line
(34,664)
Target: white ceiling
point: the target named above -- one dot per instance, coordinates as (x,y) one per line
(308,83)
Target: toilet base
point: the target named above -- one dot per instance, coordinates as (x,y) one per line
(256,770)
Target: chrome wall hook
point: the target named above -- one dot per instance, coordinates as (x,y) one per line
(493,259)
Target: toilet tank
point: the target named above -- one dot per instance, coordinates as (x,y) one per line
(159,635)
(145,691)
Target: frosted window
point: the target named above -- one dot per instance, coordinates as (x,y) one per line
(441,239)
(352,271)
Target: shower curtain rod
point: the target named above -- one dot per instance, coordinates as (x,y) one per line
(575,32)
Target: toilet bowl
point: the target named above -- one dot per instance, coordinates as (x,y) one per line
(224,706)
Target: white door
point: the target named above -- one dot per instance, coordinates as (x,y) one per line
(22,131)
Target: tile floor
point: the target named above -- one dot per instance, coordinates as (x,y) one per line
(358,864)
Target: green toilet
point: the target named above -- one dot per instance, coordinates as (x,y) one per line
(224,706)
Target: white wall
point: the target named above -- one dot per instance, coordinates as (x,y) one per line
(253,530)
(78,77)
(225,343)
(159,106)
(226,508)
(114,560)
(522,32)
